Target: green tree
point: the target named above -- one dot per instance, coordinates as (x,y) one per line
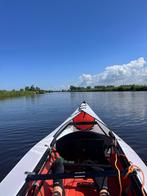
(73,88)
(32,88)
(37,88)
(27,88)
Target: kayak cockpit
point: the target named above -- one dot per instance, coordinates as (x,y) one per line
(84,145)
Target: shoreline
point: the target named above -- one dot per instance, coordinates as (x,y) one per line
(27,91)
(17,94)
(109,88)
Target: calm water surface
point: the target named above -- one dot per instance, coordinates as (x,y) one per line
(26,120)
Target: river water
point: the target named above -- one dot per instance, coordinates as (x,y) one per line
(26,120)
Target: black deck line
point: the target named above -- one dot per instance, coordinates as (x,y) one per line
(76,175)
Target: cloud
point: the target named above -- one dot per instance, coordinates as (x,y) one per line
(134,72)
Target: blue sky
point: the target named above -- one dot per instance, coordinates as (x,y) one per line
(52,43)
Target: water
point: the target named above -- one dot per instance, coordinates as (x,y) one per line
(26,120)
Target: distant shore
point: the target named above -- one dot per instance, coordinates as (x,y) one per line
(27,91)
(133,87)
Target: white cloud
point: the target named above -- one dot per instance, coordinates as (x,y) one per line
(87,78)
(134,72)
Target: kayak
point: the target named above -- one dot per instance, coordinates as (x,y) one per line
(93,156)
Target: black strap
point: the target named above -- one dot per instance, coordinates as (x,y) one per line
(83,123)
(77,175)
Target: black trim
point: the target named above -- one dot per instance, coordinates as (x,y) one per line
(101,129)
(62,128)
(39,165)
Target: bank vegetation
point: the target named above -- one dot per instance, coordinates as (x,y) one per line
(27,91)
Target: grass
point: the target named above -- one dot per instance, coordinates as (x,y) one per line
(28,91)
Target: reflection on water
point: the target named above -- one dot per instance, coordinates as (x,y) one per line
(26,120)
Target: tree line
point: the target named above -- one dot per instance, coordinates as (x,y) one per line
(28,90)
(132,87)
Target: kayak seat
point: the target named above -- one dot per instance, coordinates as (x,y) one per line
(80,146)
